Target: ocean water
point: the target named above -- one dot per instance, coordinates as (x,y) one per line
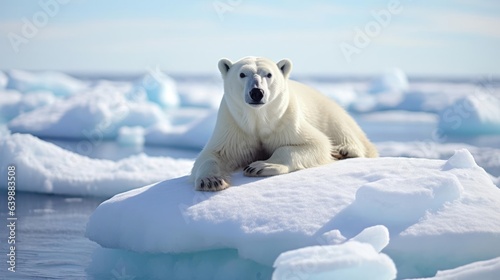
(49,235)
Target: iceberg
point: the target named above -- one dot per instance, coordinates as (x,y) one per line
(193,135)
(201,94)
(484,270)
(472,115)
(392,91)
(159,89)
(351,260)
(58,83)
(47,168)
(97,114)
(383,93)
(14,103)
(3,80)
(394,80)
(343,94)
(358,258)
(439,214)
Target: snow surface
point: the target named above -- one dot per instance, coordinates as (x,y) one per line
(425,204)
(47,168)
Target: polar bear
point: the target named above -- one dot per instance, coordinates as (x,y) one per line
(270,125)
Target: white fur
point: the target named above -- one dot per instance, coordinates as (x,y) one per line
(296,127)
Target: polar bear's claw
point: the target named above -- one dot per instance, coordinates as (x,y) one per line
(249,169)
(211,184)
(261,169)
(345,152)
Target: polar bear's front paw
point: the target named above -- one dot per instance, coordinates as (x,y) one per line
(211,184)
(341,153)
(262,168)
(345,152)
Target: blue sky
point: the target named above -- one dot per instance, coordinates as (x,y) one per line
(424,38)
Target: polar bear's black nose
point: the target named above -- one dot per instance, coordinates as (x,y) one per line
(256,94)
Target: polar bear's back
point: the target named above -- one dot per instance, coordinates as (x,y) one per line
(327,116)
(319,109)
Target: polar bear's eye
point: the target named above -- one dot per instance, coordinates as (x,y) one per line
(242,75)
(269,75)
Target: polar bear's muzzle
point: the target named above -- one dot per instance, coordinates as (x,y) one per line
(255,96)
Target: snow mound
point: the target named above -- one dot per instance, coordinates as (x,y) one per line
(58,83)
(354,259)
(46,168)
(262,218)
(461,159)
(94,115)
(159,88)
(392,80)
(472,115)
(405,198)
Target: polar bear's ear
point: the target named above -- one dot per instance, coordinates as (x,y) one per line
(224,65)
(285,67)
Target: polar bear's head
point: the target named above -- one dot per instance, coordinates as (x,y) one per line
(256,81)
